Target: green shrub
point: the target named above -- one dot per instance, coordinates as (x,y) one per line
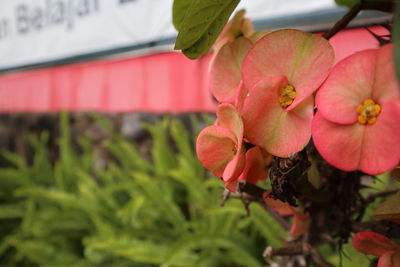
(131,213)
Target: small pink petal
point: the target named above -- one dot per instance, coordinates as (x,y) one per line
(232,185)
(215,148)
(238,25)
(269,126)
(228,117)
(235,167)
(284,209)
(305,59)
(301,224)
(389,259)
(373,243)
(225,72)
(241,95)
(256,167)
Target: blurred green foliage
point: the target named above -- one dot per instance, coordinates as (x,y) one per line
(133,212)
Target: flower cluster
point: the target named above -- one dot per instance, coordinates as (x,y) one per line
(266,84)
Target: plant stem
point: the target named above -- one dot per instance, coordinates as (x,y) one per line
(344,21)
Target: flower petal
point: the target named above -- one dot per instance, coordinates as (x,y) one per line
(373,243)
(305,59)
(256,167)
(386,87)
(380,148)
(228,117)
(235,167)
(269,126)
(225,72)
(238,25)
(241,96)
(340,145)
(372,149)
(389,259)
(284,209)
(215,148)
(301,224)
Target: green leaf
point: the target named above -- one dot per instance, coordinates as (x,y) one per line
(268,227)
(179,10)
(347,3)
(396,38)
(313,174)
(203,21)
(390,206)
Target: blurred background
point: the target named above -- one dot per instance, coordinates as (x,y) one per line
(98,121)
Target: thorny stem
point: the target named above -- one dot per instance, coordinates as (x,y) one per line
(344,21)
(386,6)
(299,249)
(255,193)
(371,197)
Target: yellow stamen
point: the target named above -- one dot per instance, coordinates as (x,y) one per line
(286,96)
(234,149)
(368,111)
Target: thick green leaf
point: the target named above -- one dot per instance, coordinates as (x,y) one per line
(396,37)
(203,21)
(179,10)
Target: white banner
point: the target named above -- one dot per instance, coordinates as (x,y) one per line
(37,31)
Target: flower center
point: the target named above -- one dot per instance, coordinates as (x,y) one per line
(368,111)
(286,96)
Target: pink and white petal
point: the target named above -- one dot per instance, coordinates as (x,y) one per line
(267,125)
(255,37)
(380,150)
(348,85)
(228,117)
(389,259)
(256,167)
(338,144)
(235,167)
(373,243)
(215,148)
(305,59)
(386,87)
(225,72)
(241,95)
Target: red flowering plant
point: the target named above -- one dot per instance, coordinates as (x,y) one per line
(317,130)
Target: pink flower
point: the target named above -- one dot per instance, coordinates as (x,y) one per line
(219,147)
(357,124)
(282,71)
(378,245)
